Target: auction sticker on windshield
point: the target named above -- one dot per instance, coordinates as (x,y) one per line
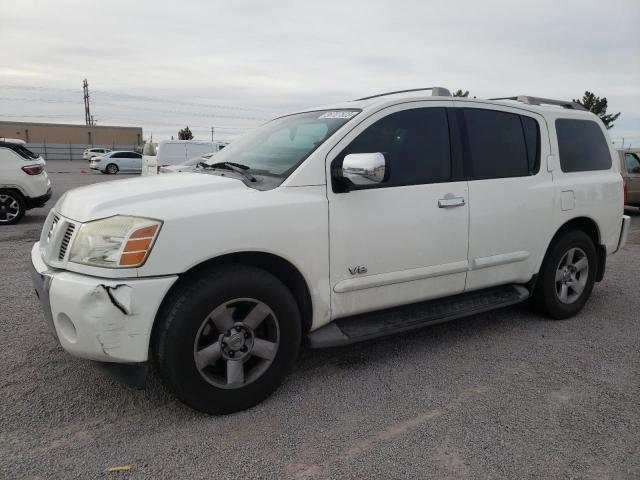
(339,114)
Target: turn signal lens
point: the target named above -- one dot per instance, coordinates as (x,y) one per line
(139,243)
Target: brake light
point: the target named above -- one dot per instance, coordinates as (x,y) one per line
(33,169)
(626,189)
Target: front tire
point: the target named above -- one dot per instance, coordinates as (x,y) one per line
(12,207)
(567,276)
(225,340)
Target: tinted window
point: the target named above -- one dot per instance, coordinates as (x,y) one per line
(532,139)
(497,145)
(120,155)
(582,146)
(633,164)
(136,155)
(20,149)
(415,144)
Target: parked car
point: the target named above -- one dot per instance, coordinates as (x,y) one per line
(333,226)
(188,166)
(630,171)
(118,161)
(174,152)
(24,183)
(89,153)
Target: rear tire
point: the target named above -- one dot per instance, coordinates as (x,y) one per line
(12,207)
(212,349)
(567,276)
(112,169)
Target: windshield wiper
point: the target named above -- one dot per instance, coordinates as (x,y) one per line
(235,167)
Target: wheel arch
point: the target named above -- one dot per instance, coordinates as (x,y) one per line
(15,188)
(590,227)
(278,266)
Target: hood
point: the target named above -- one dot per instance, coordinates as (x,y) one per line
(154,196)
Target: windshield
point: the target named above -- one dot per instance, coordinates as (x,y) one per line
(279,146)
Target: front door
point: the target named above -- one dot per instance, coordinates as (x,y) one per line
(406,239)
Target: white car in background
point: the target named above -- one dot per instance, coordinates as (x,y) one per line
(24,184)
(90,153)
(188,166)
(118,161)
(175,152)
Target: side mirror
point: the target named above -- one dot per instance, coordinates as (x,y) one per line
(364,168)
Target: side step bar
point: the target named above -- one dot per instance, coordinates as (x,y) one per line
(366,326)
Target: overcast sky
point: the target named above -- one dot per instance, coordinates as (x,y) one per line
(234,64)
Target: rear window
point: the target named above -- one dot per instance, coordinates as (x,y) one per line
(501,144)
(21,150)
(582,146)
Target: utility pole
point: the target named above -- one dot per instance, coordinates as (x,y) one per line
(88,118)
(212,134)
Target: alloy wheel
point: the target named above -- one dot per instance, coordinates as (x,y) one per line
(236,343)
(9,208)
(572,274)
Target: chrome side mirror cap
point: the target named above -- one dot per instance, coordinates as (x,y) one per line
(364,168)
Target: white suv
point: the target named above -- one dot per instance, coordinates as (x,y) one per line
(89,153)
(332,226)
(24,184)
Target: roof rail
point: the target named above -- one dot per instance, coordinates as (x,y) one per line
(435,92)
(529,100)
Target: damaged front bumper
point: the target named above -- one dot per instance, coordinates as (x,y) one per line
(108,320)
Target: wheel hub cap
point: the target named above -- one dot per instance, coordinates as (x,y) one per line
(237,342)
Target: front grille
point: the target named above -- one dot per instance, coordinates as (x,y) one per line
(64,244)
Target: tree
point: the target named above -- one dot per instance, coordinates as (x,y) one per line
(598,106)
(460,93)
(185,134)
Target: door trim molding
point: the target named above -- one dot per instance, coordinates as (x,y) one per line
(402,276)
(495,260)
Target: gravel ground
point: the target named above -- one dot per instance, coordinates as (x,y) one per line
(499,395)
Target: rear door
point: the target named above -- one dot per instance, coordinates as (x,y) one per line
(632,163)
(136,162)
(510,195)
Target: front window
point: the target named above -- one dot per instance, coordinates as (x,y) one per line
(278,147)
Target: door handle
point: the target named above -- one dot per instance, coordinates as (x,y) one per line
(450,201)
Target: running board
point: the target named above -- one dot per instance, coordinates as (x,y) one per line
(357,328)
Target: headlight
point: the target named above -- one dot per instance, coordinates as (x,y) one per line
(115,242)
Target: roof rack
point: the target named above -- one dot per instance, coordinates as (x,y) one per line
(435,92)
(529,100)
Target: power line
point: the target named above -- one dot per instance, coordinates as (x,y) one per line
(143,98)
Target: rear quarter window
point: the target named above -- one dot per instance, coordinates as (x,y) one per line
(582,146)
